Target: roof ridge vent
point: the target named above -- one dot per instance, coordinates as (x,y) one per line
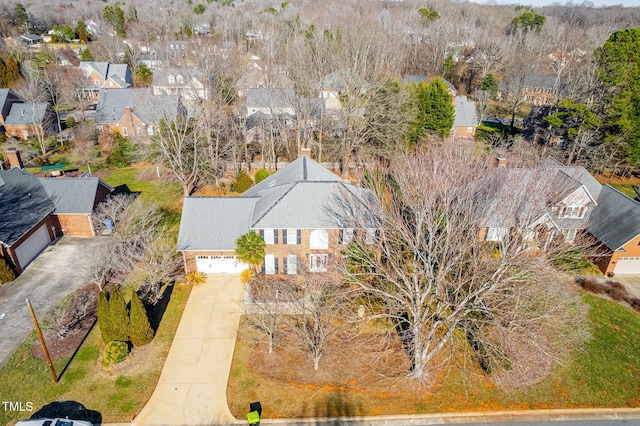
(304,169)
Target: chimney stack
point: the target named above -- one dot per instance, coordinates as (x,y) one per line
(305,152)
(502,161)
(15,160)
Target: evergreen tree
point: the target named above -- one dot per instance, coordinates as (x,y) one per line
(490,84)
(22,17)
(140,329)
(86,55)
(104,318)
(619,70)
(435,111)
(119,316)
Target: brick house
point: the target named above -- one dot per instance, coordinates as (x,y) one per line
(37,211)
(26,120)
(616,224)
(101,75)
(466,118)
(296,211)
(134,112)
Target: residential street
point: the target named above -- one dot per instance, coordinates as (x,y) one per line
(192,389)
(54,274)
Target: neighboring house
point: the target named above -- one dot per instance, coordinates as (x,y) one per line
(255,76)
(27,226)
(466,118)
(7,98)
(30,119)
(75,199)
(104,75)
(189,84)
(271,101)
(23,40)
(616,224)
(300,212)
(535,89)
(134,112)
(552,198)
(36,211)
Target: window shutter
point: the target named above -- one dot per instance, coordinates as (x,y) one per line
(285,269)
(341,237)
(262,267)
(299,236)
(275,236)
(262,234)
(284,236)
(275,264)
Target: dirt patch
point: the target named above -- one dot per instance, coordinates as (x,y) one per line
(602,179)
(102,174)
(68,331)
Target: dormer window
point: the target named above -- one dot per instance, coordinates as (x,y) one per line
(171,79)
(179,79)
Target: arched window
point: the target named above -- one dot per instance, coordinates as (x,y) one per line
(319,239)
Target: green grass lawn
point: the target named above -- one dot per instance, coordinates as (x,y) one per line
(116,397)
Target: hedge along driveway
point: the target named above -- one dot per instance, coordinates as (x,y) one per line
(53,275)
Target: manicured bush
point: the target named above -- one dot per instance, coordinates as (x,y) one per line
(104,318)
(140,331)
(242,182)
(196,278)
(246,276)
(261,175)
(70,121)
(119,316)
(6,273)
(115,352)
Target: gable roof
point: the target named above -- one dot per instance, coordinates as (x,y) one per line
(74,195)
(24,204)
(190,77)
(465,113)
(577,173)
(119,73)
(270,98)
(303,195)
(7,98)
(26,114)
(214,222)
(147,107)
(616,220)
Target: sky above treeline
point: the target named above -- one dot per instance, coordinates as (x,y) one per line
(596,3)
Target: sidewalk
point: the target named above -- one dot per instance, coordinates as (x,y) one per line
(192,389)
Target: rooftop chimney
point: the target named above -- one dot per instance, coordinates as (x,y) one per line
(502,161)
(305,152)
(15,160)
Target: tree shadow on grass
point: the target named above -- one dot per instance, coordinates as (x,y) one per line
(68,409)
(156,312)
(95,321)
(336,408)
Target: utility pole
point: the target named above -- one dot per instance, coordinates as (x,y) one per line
(44,346)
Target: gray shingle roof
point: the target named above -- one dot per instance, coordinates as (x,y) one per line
(214,223)
(578,173)
(303,195)
(147,107)
(107,70)
(465,113)
(270,98)
(73,195)
(26,114)
(161,77)
(24,204)
(616,220)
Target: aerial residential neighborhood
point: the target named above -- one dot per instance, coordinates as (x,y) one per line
(405,212)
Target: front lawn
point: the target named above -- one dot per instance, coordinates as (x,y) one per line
(606,373)
(117,395)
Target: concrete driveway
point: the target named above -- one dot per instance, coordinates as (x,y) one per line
(54,274)
(192,389)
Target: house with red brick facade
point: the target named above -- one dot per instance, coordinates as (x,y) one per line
(134,112)
(299,211)
(104,75)
(36,211)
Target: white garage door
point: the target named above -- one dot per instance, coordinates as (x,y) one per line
(32,246)
(627,265)
(219,264)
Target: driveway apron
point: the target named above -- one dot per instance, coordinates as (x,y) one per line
(192,389)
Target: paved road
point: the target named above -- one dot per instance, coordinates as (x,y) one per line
(53,275)
(192,389)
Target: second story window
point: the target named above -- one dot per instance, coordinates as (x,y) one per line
(269,235)
(319,239)
(575,212)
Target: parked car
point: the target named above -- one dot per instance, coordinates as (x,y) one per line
(53,422)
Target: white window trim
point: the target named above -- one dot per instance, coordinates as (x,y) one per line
(318,262)
(292,235)
(268,236)
(292,264)
(347,235)
(496,234)
(569,235)
(269,264)
(124,131)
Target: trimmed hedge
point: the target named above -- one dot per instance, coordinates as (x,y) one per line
(115,352)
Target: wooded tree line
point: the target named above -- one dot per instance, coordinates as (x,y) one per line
(482,49)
